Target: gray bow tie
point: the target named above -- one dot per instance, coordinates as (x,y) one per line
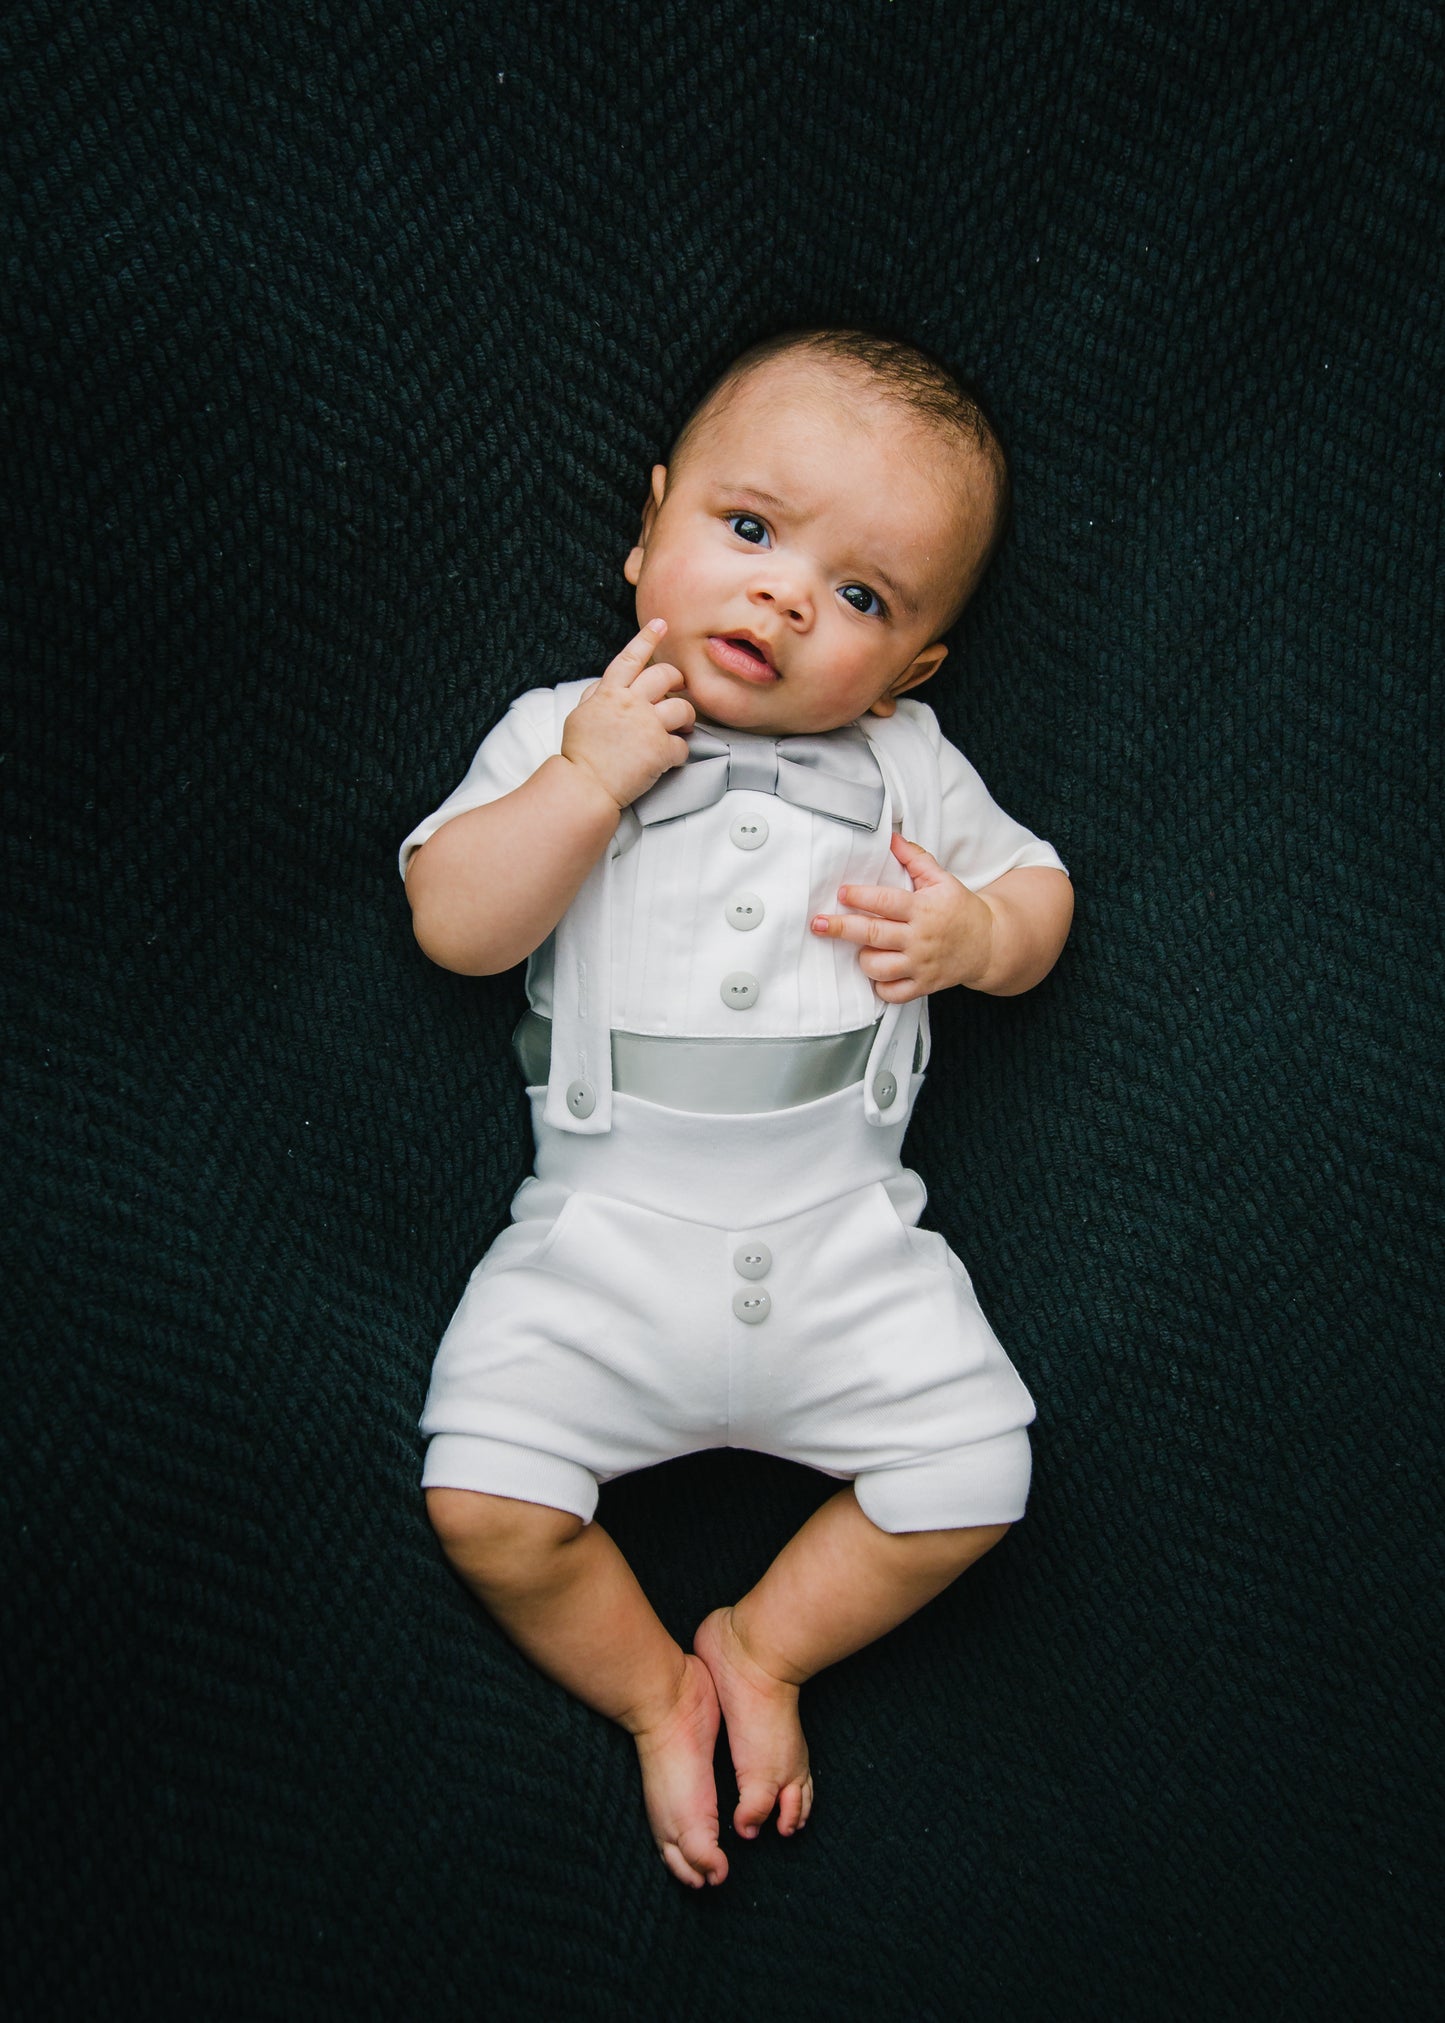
(833,773)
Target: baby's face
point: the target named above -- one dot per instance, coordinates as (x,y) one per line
(824,525)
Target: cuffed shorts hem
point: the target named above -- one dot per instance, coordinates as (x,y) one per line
(495,1467)
(986,1482)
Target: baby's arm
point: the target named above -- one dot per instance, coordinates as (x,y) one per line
(491,884)
(1001,939)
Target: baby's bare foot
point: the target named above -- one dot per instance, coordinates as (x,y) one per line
(675,1753)
(770,1757)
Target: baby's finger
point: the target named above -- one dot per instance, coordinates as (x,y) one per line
(624,669)
(921,868)
(889,900)
(881,965)
(675,713)
(656,680)
(863,930)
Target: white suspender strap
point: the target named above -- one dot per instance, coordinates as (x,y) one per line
(901,1045)
(579,1084)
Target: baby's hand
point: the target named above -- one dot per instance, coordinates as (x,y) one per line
(624,731)
(914,943)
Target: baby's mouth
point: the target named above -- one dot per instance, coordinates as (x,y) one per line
(741,656)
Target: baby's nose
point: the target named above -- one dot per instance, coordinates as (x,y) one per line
(786,595)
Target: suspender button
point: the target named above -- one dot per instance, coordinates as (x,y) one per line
(581,1098)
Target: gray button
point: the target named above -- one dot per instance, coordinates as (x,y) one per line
(743,911)
(749,832)
(751,1306)
(752,1260)
(739,990)
(581,1098)
(885,1088)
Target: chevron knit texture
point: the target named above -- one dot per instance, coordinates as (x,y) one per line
(338,340)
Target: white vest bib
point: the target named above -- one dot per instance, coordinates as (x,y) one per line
(579,1087)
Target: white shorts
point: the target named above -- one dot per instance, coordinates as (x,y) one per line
(607,1327)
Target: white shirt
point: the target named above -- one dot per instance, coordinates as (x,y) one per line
(676,886)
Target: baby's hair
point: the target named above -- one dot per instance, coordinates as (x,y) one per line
(902,371)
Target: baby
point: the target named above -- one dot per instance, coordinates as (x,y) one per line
(737,874)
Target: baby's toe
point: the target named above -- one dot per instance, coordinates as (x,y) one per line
(702,1859)
(756,1799)
(794,1804)
(679,1866)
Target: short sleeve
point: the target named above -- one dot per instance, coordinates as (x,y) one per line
(978,842)
(510,753)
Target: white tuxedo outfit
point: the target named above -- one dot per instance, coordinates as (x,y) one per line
(676,1278)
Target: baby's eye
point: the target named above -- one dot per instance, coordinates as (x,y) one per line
(869,597)
(747,520)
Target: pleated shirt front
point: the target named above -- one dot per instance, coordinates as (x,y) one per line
(729,891)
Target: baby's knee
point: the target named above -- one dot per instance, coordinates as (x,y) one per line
(947,1553)
(497,1535)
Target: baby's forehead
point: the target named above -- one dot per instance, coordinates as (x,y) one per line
(910,456)
(840,395)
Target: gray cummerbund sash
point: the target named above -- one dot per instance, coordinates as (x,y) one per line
(724,1077)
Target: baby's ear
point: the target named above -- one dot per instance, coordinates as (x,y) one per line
(918,670)
(632,567)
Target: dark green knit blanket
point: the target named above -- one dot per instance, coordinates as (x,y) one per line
(338,341)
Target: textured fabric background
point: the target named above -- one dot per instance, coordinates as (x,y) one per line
(338,342)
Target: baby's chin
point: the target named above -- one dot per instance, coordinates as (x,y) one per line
(747,707)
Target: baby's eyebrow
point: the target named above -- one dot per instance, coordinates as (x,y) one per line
(756,492)
(900,596)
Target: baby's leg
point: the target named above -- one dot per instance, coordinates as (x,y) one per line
(836,1585)
(565,1595)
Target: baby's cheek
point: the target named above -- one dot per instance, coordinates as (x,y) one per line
(674,585)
